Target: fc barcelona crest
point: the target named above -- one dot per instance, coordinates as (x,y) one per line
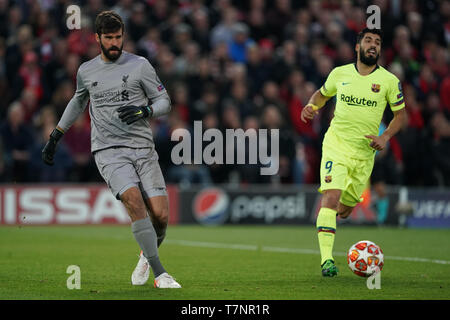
(327,179)
(375,87)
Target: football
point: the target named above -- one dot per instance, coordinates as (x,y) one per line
(365,258)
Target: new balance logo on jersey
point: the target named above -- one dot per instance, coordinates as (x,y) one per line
(357,102)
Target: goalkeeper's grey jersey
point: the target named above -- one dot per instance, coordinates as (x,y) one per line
(130,80)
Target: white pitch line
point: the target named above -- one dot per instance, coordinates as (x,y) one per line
(285,250)
(213,245)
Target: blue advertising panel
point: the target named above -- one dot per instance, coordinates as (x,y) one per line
(431,208)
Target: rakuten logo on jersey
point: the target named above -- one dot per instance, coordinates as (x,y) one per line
(268,208)
(358,102)
(58,205)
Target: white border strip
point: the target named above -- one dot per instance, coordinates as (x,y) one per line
(247,247)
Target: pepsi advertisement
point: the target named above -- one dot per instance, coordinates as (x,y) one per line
(213,206)
(220,205)
(256,205)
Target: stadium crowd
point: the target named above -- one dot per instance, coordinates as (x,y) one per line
(230,64)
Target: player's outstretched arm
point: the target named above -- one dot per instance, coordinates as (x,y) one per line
(316,102)
(379,142)
(75,107)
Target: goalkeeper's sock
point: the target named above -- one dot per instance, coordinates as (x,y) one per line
(160,229)
(326,229)
(160,233)
(145,235)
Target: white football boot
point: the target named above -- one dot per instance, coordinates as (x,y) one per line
(166,281)
(141,272)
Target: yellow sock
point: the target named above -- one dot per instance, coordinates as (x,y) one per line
(326,229)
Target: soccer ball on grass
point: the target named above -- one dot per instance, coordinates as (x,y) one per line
(365,258)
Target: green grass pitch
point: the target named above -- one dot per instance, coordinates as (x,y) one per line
(220,263)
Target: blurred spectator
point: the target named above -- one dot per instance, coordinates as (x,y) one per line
(124,9)
(180,102)
(406,58)
(223,32)
(277,17)
(137,24)
(78,143)
(198,81)
(445,93)
(45,117)
(271,95)
(29,78)
(4,86)
(207,103)
(185,174)
(200,31)
(239,98)
(166,63)
(17,142)
(4,28)
(257,24)
(186,63)
(240,43)
(149,44)
(258,70)
(182,37)
(158,12)
(79,41)
(61,97)
(427,81)
(439,62)
(415,23)
(345,54)
(30,103)
(440,126)
(411,142)
(272,118)
(383,171)
(285,62)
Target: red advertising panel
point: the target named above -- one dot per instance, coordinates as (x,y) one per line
(67,204)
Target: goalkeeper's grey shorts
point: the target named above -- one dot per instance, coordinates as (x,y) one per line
(124,168)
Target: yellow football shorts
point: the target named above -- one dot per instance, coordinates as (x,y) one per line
(344,173)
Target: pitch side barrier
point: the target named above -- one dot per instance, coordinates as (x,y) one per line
(69,204)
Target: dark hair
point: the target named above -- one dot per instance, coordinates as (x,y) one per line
(367,30)
(108,22)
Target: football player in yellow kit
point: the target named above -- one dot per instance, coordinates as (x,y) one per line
(362,89)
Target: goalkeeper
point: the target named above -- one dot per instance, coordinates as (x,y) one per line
(119,86)
(363,90)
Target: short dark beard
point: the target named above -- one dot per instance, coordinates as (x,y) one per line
(108,54)
(368,61)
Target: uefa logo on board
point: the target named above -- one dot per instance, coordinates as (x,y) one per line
(210,206)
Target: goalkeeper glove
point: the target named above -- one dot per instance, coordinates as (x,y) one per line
(131,114)
(50,147)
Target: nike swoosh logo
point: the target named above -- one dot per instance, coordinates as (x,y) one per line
(138,113)
(344,83)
